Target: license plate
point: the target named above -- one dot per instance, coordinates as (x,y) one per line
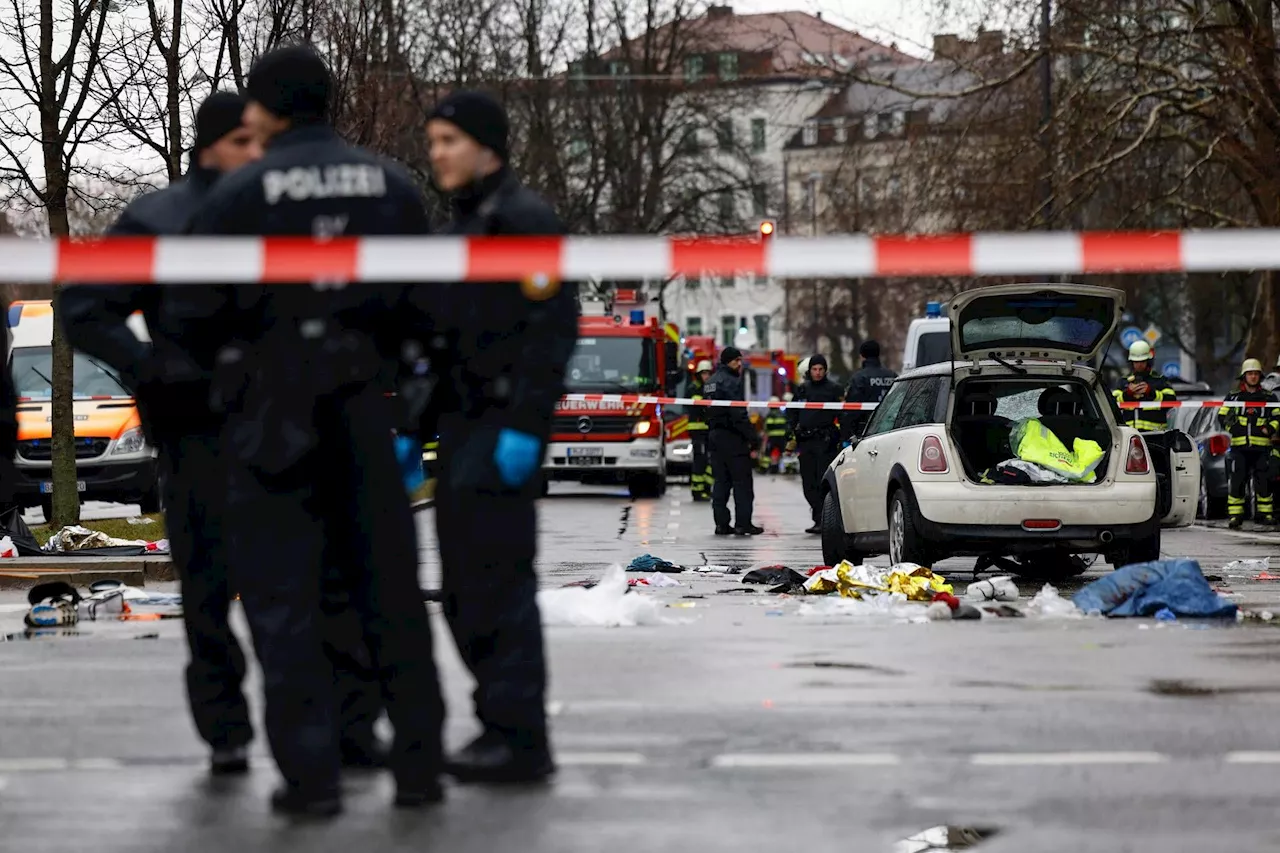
(584,451)
(47,488)
(586,460)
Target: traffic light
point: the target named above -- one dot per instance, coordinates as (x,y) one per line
(767,227)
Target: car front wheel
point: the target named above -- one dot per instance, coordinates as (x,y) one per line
(906,545)
(836,544)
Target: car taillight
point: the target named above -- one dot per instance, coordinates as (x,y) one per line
(933,460)
(1137,462)
(1219,444)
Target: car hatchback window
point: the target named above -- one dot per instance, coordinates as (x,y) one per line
(920,403)
(882,419)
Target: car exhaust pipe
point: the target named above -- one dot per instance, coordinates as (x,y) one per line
(1105,537)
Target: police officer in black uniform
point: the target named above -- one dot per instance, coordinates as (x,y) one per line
(816,434)
(301,376)
(501,352)
(868,385)
(731,440)
(171,380)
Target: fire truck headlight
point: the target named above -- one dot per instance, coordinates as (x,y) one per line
(642,428)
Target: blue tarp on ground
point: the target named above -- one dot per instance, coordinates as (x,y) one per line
(1145,588)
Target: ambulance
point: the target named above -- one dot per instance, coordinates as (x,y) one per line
(114,462)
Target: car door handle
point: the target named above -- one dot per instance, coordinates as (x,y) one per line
(873,452)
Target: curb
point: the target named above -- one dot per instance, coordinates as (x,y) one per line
(26,572)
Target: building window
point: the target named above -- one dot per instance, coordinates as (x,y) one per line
(894,187)
(689,142)
(728,329)
(762,331)
(724,134)
(727,64)
(576,74)
(758,140)
(759,200)
(884,124)
(728,206)
(898,122)
(869,126)
(810,132)
(692,326)
(842,131)
(693,69)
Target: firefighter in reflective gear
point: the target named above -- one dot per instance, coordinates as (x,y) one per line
(1144,385)
(776,428)
(1252,430)
(700,478)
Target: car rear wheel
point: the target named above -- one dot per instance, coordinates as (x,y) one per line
(836,544)
(1138,551)
(906,545)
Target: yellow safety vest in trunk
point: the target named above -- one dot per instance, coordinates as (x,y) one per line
(1032,441)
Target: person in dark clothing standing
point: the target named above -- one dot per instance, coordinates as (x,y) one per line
(300,373)
(816,435)
(700,479)
(1252,430)
(868,385)
(172,390)
(731,440)
(500,351)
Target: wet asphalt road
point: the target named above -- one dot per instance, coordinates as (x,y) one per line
(748,727)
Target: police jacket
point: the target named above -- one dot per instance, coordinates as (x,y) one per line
(291,345)
(501,349)
(169,376)
(1158,390)
(868,385)
(731,427)
(1251,426)
(813,423)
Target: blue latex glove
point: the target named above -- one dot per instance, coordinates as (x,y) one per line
(409,455)
(517,456)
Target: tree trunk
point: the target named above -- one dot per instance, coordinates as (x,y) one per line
(66,499)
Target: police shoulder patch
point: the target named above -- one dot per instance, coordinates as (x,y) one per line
(539,286)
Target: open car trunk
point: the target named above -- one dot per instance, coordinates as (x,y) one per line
(986,411)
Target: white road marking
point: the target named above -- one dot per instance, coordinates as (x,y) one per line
(97,764)
(1048,759)
(672,525)
(33,765)
(1252,758)
(767,760)
(600,759)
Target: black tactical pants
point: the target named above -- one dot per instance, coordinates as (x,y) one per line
(731,472)
(348,489)
(488,540)
(816,455)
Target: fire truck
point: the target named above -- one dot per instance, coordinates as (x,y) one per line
(599,442)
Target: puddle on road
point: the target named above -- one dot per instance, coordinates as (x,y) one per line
(1191,690)
(835,664)
(945,838)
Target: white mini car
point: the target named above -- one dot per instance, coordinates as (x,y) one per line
(929,478)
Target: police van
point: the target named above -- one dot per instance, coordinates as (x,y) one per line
(928,339)
(114,462)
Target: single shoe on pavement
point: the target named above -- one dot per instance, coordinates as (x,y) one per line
(814,529)
(229,761)
(724,530)
(749,530)
(491,759)
(1235,523)
(297,803)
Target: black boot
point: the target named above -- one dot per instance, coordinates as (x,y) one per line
(724,530)
(749,530)
(491,759)
(816,528)
(419,795)
(229,761)
(295,802)
(1236,522)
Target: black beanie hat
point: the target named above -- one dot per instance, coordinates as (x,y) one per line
(291,82)
(220,114)
(477,115)
(729,354)
(816,360)
(869,349)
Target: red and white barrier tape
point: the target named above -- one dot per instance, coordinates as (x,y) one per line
(763,404)
(194,260)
